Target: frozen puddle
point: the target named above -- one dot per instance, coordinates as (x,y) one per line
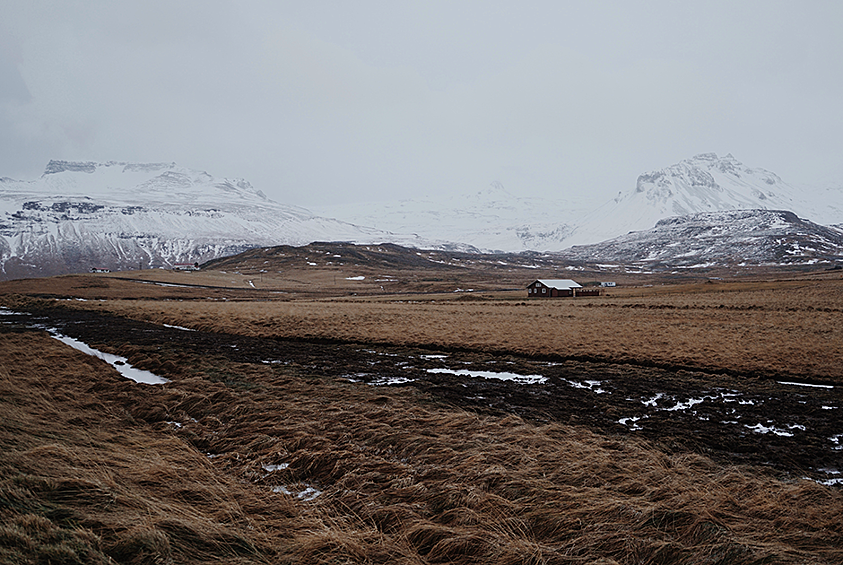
(119,363)
(520,379)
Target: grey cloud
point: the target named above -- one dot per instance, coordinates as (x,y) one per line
(363,100)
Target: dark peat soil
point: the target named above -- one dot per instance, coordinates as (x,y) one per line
(791,430)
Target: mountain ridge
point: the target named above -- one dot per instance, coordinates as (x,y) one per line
(736,238)
(494,220)
(123,215)
(117,215)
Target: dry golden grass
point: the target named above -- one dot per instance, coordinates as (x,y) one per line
(791,328)
(93,469)
(81,481)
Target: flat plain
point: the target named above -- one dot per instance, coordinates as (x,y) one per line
(312,416)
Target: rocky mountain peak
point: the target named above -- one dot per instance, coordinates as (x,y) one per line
(54,167)
(58,166)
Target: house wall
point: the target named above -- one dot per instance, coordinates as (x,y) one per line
(534,292)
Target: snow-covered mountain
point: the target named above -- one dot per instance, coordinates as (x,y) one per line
(125,216)
(491,219)
(494,219)
(79,215)
(704,183)
(719,239)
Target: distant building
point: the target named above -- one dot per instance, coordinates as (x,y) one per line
(186,267)
(605,284)
(551,288)
(100,270)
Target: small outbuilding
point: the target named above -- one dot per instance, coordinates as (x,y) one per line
(551,288)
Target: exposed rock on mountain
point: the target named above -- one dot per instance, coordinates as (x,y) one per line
(720,239)
(78,216)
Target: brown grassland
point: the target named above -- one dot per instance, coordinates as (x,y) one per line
(98,469)
(792,328)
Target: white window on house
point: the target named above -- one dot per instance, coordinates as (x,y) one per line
(544,290)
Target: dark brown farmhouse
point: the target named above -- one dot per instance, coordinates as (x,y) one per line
(550,288)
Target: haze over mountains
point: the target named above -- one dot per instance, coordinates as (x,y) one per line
(497,220)
(79,215)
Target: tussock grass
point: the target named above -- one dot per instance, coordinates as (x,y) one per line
(95,468)
(82,481)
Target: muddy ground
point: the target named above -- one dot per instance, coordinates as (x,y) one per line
(789,429)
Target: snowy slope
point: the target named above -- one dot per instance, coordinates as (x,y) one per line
(124,216)
(704,183)
(491,219)
(495,219)
(715,239)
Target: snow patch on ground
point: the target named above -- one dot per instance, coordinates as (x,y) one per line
(804,384)
(119,363)
(386,381)
(179,328)
(762,429)
(307,494)
(520,379)
(631,423)
(589,385)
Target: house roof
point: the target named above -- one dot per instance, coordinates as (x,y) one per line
(560,284)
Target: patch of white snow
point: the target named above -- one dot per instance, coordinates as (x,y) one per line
(119,363)
(521,379)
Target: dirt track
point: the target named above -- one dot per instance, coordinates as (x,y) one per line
(795,431)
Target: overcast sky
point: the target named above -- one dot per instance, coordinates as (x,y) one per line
(315,101)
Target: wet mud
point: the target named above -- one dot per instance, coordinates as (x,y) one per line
(790,429)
